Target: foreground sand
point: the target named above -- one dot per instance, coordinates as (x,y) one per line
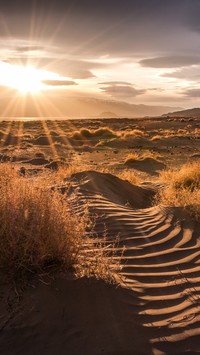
(155,307)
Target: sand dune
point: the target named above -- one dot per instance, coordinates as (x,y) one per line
(161,259)
(153,310)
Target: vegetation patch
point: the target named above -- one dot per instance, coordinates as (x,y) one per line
(134,157)
(182,188)
(39,228)
(100,133)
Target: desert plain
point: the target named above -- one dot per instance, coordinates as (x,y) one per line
(139,180)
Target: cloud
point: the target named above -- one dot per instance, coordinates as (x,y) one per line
(75,69)
(59,82)
(116,83)
(190,74)
(192,93)
(112,26)
(121,91)
(170,61)
(156,89)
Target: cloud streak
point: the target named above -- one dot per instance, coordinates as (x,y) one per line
(194,93)
(59,82)
(120,91)
(190,74)
(170,61)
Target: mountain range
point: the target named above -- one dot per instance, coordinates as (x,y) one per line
(75,107)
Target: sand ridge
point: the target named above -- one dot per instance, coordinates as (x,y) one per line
(160,262)
(155,307)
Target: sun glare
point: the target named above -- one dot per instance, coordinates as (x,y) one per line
(25,79)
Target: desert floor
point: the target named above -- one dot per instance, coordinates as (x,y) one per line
(155,306)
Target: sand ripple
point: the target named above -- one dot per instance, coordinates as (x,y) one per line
(161,262)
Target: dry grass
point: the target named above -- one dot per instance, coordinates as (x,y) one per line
(139,157)
(183,188)
(156,138)
(132,157)
(100,133)
(130,176)
(135,133)
(38,229)
(36,225)
(100,259)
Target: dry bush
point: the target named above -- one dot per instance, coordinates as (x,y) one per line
(132,157)
(182,132)
(101,259)
(183,188)
(139,157)
(188,176)
(156,138)
(36,225)
(86,134)
(64,173)
(130,176)
(134,133)
(83,134)
(39,229)
(197,131)
(104,132)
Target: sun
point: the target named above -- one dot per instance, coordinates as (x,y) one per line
(25,79)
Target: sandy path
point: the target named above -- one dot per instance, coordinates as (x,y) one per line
(161,262)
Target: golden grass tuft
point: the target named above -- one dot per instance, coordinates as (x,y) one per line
(36,225)
(130,176)
(39,229)
(135,133)
(132,157)
(157,137)
(183,188)
(86,134)
(187,177)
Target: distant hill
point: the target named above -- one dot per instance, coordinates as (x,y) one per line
(193,112)
(67,106)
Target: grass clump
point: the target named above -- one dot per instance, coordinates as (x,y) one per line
(86,134)
(133,157)
(135,133)
(37,227)
(187,177)
(130,176)
(183,188)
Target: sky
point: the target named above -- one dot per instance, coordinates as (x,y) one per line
(135,51)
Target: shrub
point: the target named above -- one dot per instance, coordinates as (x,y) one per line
(130,176)
(36,225)
(131,158)
(134,133)
(85,134)
(39,229)
(182,188)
